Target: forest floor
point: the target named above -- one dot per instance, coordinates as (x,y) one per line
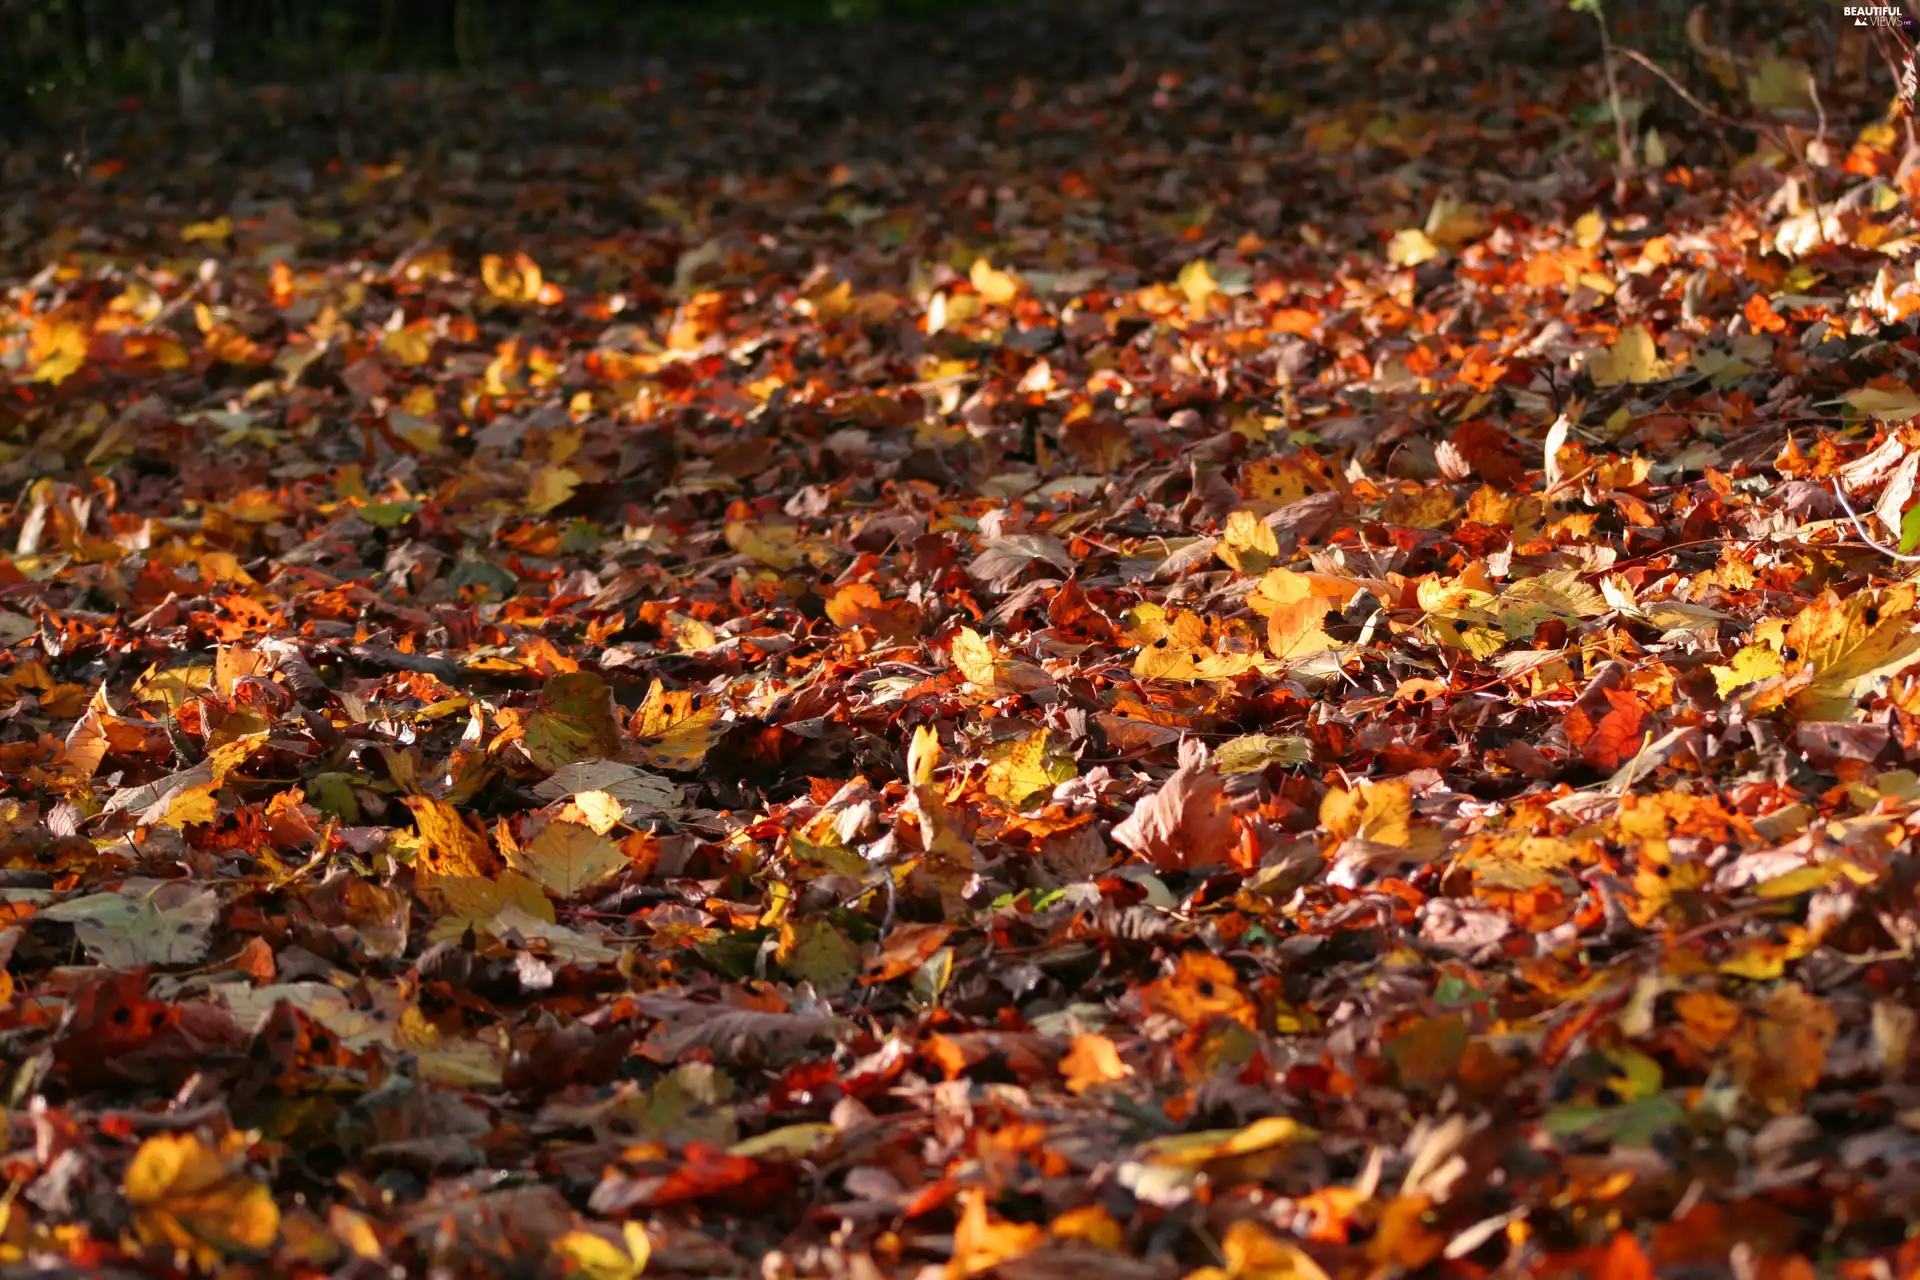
(1119,638)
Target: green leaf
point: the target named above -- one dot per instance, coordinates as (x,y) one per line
(388,515)
(1910,529)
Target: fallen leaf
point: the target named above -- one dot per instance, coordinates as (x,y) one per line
(673,732)
(449,845)
(1186,822)
(1092,1061)
(189,1196)
(145,922)
(1631,358)
(574,721)
(566,858)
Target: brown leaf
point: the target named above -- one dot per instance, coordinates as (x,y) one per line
(1187,822)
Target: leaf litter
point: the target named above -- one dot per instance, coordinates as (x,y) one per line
(1165,657)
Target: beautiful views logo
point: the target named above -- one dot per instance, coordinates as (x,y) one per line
(1878,15)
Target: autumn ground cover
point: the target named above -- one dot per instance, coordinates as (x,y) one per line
(1108,639)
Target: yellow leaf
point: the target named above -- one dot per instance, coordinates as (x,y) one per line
(1889,404)
(551,487)
(189,1196)
(566,858)
(1247,544)
(1092,1061)
(778,546)
(1381,812)
(1275,482)
(516,281)
(352,1229)
(408,346)
(1282,587)
(789,1142)
(219,228)
(1197,282)
(1842,646)
(1255,751)
(1456,223)
(673,732)
(476,898)
(1524,605)
(1559,592)
(144,922)
(1294,622)
(1752,664)
(1025,769)
(974,658)
(1092,1224)
(1633,357)
(997,288)
(923,755)
(1253,1254)
(1182,653)
(1194,1150)
(1428,508)
(58,348)
(1783,1054)
(1411,247)
(690,634)
(1779,84)
(814,951)
(448,846)
(449,1059)
(600,810)
(191,806)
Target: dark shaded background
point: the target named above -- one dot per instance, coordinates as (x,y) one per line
(59,57)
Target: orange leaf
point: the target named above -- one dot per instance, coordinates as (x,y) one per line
(448,845)
(1623,1259)
(980,1243)
(1200,988)
(1617,737)
(1093,1060)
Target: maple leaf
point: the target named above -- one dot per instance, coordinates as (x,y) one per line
(1296,605)
(1181,646)
(1840,646)
(1631,358)
(1200,988)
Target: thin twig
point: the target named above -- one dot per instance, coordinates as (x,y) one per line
(1680,89)
(1767,131)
